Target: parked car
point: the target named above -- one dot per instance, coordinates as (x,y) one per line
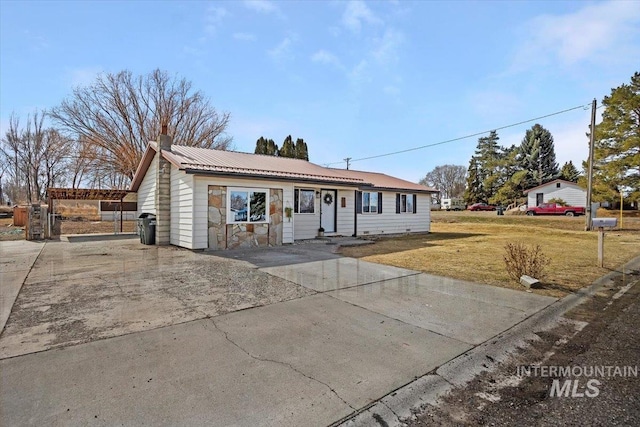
(554,209)
(482,207)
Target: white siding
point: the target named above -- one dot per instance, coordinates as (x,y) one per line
(147,190)
(201,197)
(306,225)
(570,193)
(181,233)
(346,214)
(389,222)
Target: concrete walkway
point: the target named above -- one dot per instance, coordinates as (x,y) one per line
(357,333)
(16,260)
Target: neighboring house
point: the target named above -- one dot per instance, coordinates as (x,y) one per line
(221,199)
(568,191)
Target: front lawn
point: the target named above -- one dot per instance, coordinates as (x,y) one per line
(471,247)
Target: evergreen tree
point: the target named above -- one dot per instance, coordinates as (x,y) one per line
(617,144)
(272,148)
(537,156)
(301,149)
(569,172)
(474,191)
(261,146)
(507,177)
(482,181)
(287,149)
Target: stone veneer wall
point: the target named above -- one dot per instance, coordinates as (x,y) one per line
(217,217)
(229,236)
(275,217)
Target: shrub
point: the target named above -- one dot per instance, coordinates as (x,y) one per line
(523,260)
(558,202)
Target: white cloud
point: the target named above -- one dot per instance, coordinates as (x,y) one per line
(213,17)
(360,73)
(244,37)
(357,13)
(36,41)
(282,51)
(595,32)
(570,140)
(83,76)
(262,6)
(386,49)
(495,104)
(324,57)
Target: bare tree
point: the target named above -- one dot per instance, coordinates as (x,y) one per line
(449,179)
(120,113)
(34,158)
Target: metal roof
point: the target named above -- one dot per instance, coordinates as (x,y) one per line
(382,181)
(206,161)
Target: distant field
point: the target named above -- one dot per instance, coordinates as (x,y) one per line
(470,246)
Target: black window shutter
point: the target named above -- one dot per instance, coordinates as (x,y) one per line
(397,202)
(359,202)
(296,197)
(415,203)
(379,203)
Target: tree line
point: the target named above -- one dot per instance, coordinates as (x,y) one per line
(498,174)
(290,150)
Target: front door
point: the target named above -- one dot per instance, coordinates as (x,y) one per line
(539,199)
(328,211)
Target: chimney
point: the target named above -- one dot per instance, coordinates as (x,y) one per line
(163,190)
(165,140)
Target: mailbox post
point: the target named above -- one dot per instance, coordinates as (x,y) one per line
(601,223)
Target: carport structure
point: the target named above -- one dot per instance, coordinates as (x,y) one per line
(98,194)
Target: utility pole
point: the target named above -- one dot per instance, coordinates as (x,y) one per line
(592,139)
(348,160)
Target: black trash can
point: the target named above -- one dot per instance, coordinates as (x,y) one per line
(147,228)
(500,210)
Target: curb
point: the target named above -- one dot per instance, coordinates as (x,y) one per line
(401,404)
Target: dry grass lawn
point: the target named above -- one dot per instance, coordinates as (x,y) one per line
(470,246)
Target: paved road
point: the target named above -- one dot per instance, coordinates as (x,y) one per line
(350,334)
(607,334)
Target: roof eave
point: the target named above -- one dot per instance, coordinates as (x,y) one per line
(273,178)
(143,166)
(402,190)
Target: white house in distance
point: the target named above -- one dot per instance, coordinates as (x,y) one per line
(211,199)
(568,191)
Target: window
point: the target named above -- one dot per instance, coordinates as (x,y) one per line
(304,201)
(369,202)
(247,205)
(557,185)
(405,203)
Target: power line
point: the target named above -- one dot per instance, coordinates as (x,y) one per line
(584,106)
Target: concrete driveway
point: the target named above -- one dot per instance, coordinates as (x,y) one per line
(325,337)
(84,289)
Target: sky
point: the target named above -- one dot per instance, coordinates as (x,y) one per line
(352,78)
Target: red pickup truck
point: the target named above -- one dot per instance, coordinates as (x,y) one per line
(553,209)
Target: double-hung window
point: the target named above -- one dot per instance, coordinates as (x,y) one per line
(304,201)
(369,202)
(406,203)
